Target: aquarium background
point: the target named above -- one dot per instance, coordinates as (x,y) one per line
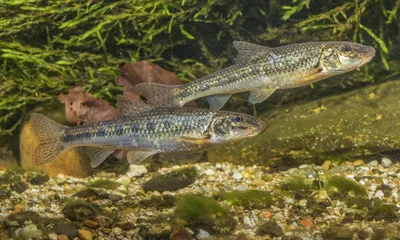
(319,141)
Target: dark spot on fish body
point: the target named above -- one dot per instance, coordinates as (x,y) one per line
(119,130)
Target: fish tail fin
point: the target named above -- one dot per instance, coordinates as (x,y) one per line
(158,94)
(50,135)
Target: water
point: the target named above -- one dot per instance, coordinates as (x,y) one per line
(324,167)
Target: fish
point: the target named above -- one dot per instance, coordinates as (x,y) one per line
(262,70)
(143,130)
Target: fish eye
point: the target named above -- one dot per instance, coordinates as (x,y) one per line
(238,119)
(346,48)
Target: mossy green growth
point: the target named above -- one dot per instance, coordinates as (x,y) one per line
(380,210)
(339,186)
(12,176)
(204,212)
(296,184)
(103,183)
(249,199)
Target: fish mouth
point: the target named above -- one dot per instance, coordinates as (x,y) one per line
(369,53)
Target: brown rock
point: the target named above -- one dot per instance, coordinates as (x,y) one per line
(308,222)
(326,165)
(91,223)
(62,237)
(69,162)
(266,214)
(84,234)
(19,207)
(358,162)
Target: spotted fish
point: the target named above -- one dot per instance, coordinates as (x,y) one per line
(143,131)
(262,70)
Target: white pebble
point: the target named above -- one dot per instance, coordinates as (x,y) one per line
(249,222)
(136,171)
(386,162)
(237,175)
(242,187)
(202,234)
(373,163)
(124,180)
(379,194)
(209,172)
(395,195)
(52,236)
(289,200)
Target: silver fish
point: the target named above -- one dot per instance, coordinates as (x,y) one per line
(262,70)
(143,130)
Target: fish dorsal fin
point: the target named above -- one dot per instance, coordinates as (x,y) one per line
(260,95)
(135,157)
(128,107)
(246,51)
(97,155)
(217,101)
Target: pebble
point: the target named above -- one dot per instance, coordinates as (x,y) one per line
(358,162)
(326,165)
(395,195)
(84,234)
(379,194)
(308,222)
(91,223)
(136,171)
(117,231)
(52,236)
(258,182)
(337,169)
(242,187)
(237,175)
(289,200)
(209,172)
(386,162)
(373,163)
(202,234)
(270,228)
(266,214)
(249,222)
(62,237)
(124,180)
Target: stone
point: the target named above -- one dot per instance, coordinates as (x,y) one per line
(91,223)
(84,234)
(386,162)
(258,182)
(87,193)
(19,207)
(270,228)
(124,180)
(19,187)
(209,172)
(136,170)
(4,194)
(249,222)
(373,163)
(171,181)
(52,236)
(19,219)
(180,233)
(103,221)
(337,170)
(67,229)
(265,214)
(202,234)
(38,179)
(78,212)
(62,237)
(69,162)
(326,165)
(307,222)
(237,175)
(379,194)
(358,162)
(28,232)
(338,232)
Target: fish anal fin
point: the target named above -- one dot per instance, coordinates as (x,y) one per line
(260,95)
(97,155)
(218,101)
(128,107)
(247,51)
(135,157)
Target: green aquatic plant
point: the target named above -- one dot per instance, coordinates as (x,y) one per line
(339,186)
(296,184)
(249,199)
(204,212)
(103,183)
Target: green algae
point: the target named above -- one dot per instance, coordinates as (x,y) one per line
(103,183)
(339,186)
(205,213)
(171,181)
(297,184)
(249,199)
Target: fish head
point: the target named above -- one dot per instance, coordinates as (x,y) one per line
(340,57)
(226,126)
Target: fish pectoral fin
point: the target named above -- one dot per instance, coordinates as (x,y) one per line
(260,95)
(135,157)
(218,101)
(97,155)
(246,50)
(128,107)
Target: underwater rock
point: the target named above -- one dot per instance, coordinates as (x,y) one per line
(84,234)
(180,233)
(67,229)
(78,211)
(19,187)
(338,232)
(38,179)
(171,181)
(103,221)
(270,228)
(136,170)
(19,219)
(356,124)
(70,162)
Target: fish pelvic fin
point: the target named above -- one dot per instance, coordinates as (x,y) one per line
(136,157)
(128,107)
(158,94)
(260,95)
(50,136)
(97,155)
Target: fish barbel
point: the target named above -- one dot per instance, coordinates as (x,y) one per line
(262,70)
(143,130)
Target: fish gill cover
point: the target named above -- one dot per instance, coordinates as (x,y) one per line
(49,47)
